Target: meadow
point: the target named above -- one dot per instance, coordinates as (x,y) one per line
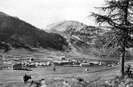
(14,78)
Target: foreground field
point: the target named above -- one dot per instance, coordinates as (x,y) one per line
(16,77)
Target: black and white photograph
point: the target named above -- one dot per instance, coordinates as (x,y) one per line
(66,43)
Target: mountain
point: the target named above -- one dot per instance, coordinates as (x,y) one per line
(16,33)
(65,25)
(80,36)
(86,40)
(76,28)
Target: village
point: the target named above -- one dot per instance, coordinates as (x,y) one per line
(28,62)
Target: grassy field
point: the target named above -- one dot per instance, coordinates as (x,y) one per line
(12,77)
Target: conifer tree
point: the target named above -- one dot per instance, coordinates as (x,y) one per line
(118,15)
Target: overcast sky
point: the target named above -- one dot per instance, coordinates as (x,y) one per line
(44,12)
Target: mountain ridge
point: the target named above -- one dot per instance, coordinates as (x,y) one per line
(80,37)
(16,33)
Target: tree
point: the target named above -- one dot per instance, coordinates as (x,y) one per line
(118,15)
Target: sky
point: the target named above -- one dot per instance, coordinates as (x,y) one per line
(41,13)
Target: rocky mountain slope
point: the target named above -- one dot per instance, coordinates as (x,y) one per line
(80,37)
(86,40)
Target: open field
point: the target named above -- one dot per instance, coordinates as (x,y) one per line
(12,76)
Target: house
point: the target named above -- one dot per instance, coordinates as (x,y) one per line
(64,62)
(20,66)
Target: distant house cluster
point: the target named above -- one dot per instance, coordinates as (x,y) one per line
(22,62)
(28,62)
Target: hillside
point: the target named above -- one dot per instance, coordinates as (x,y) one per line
(80,36)
(87,40)
(16,33)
